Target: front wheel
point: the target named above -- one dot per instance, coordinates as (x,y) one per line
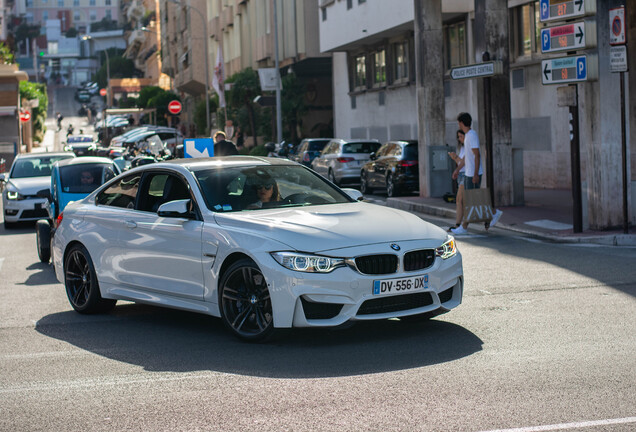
(364,184)
(246,307)
(43,240)
(81,283)
(391,188)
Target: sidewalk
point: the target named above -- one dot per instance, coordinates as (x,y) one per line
(547,215)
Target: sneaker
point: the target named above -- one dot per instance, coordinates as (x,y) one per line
(450,229)
(495,218)
(459,230)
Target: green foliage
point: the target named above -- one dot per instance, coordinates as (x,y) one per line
(246,87)
(293,106)
(71,32)
(120,67)
(200,111)
(129,102)
(25,31)
(258,150)
(158,99)
(6,56)
(148,93)
(30,90)
(104,25)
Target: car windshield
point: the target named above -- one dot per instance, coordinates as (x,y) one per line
(79,139)
(317,145)
(231,189)
(35,167)
(410,152)
(84,178)
(361,147)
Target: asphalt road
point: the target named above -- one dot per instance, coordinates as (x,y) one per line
(545,336)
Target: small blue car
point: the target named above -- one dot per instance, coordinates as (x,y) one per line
(71,180)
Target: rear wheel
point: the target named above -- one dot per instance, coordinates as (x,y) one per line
(9,225)
(81,283)
(391,188)
(246,307)
(43,240)
(364,184)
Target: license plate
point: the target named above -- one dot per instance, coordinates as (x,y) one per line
(400,285)
(38,206)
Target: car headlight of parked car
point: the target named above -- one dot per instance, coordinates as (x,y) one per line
(448,249)
(14,195)
(307,263)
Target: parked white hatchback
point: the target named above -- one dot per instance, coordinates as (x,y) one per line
(265,244)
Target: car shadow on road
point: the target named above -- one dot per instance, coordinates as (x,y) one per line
(45,275)
(160,339)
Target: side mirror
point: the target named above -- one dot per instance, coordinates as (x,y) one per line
(45,193)
(178,209)
(354,194)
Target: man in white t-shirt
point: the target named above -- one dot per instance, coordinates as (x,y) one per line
(472,163)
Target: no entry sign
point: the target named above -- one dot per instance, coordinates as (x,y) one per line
(103,92)
(174,107)
(25,116)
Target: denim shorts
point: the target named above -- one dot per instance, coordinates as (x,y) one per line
(460,178)
(468,183)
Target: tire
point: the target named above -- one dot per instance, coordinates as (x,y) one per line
(43,240)
(246,307)
(81,283)
(9,225)
(332,178)
(364,184)
(391,188)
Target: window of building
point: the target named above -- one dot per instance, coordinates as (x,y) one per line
(360,73)
(349,4)
(107,2)
(109,14)
(76,3)
(91,2)
(93,16)
(379,68)
(455,44)
(76,17)
(526,30)
(400,61)
(323,12)
(362,1)
(60,3)
(45,15)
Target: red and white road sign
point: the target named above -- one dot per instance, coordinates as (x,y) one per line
(25,116)
(174,107)
(103,92)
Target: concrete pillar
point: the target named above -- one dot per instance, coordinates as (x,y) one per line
(429,72)
(491,34)
(600,132)
(630,79)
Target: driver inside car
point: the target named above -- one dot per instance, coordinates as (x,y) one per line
(266,191)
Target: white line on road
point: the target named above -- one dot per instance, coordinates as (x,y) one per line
(1,261)
(562,426)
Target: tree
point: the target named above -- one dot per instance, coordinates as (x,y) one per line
(200,112)
(30,90)
(71,32)
(245,88)
(6,56)
(120,67)
(293,106)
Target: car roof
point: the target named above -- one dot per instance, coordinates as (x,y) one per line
(86,160)
(217,162)
(41,155)
(347,141)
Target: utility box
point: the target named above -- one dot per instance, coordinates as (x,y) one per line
(441,170)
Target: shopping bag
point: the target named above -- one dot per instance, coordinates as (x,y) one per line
(477,207)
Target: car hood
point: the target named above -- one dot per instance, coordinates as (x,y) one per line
(327,227)
(30,185)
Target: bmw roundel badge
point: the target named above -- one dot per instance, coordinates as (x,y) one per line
(395,246)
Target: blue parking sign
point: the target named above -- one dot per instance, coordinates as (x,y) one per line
(198,147)
(545,9)
(581,72)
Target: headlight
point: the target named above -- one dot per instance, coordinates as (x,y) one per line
(14,195)
(307,263)
(448,249)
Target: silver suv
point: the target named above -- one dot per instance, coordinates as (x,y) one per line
(341,160)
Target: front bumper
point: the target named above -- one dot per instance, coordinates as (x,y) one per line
(24,210)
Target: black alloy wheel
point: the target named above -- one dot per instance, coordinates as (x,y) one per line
(81,283)
(364,184)
(391,190)
(246,307)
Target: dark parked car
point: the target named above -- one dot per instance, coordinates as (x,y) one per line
(394,168)
(308,149)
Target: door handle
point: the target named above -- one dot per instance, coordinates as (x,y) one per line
(130,224)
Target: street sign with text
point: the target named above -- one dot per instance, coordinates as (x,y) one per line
(569,37)
(618,59)
(551,10)
(478,70)
(569,69)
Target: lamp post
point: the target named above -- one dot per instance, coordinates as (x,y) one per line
(207,73)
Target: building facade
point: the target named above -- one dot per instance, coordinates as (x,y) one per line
(375,92)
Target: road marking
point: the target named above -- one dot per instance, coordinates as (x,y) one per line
(563,426)
(549,224)
(485,292)
(1,261)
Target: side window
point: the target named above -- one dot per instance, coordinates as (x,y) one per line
(122,193)
(160,188)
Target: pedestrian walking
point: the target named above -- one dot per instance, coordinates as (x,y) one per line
(222,146)
(459,175)
(473,166)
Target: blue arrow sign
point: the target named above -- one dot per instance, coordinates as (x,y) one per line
(199,147)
